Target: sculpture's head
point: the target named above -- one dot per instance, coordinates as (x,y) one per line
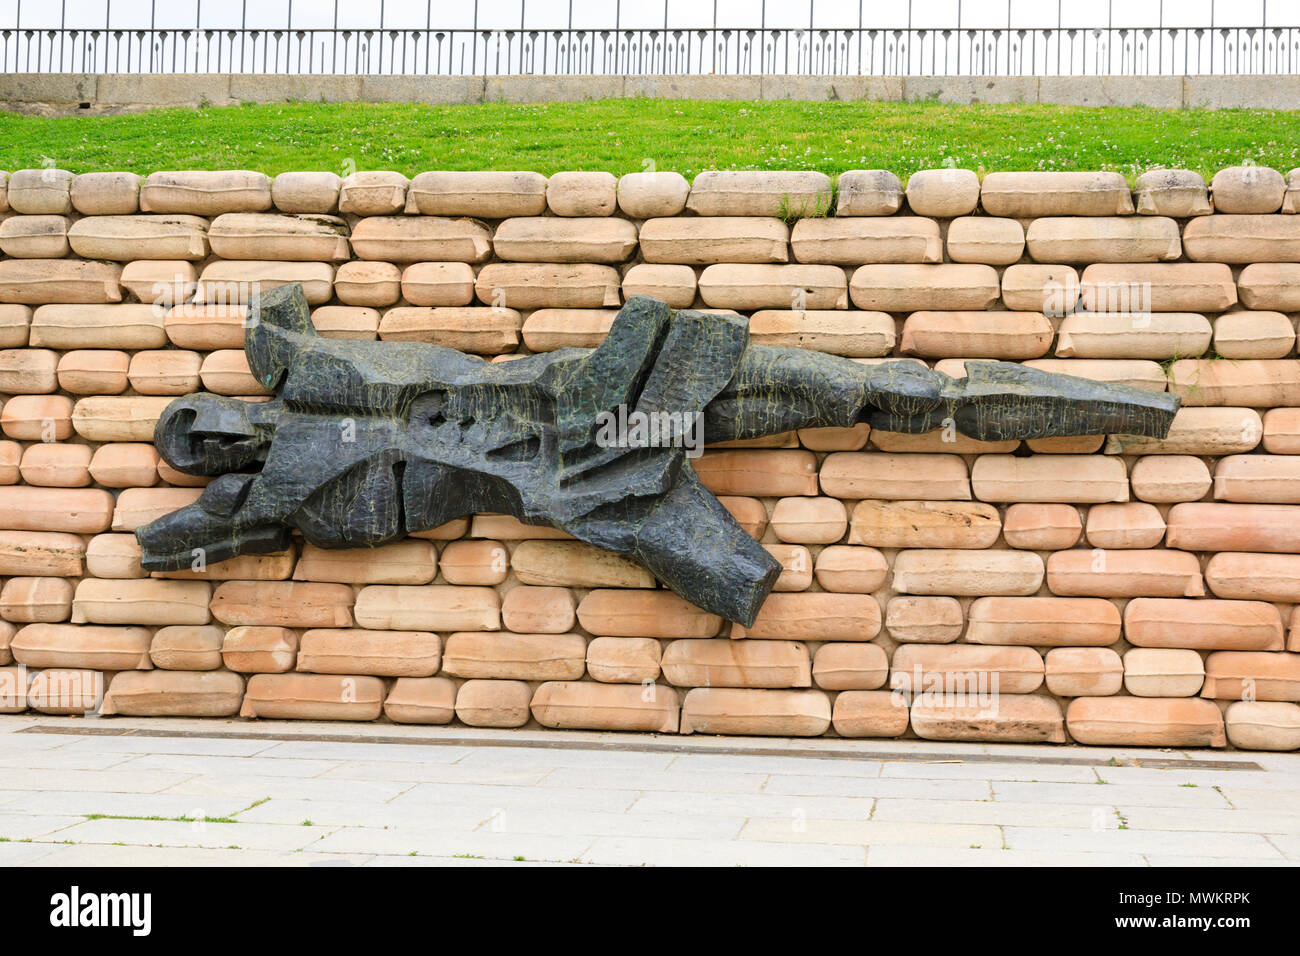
(210,434)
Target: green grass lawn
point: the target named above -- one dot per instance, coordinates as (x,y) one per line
(627,135)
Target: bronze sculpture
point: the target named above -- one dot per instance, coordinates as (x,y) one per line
(368,441)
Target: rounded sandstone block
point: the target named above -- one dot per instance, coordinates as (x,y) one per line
(924,620)
(924,524)
(29,371)
(581,193)
(994,335)
(174,694)
(1282,431)
(855,242)
(75,510)
(833,438)
(1046,527)
(1260,383)
(37,192)
(868,192)
(283,604)
(260,650)
(105,194)
(93,371)
(997,242)
(304,192)
(166,372)
(608,612)
(540,610)
(469,329)
(756,712)
(572,564)
(488,195)
(421,700)
(13,689)
(844,568)
(1269,285)
(245,567)
(36,599)
(1134,573)
(493,703)
(34,237)
(42,553)
(1162,672)
(966,573)
(1163,479)
(98,327)
(85,646)
(722,662)
(1009,718)
(56,465)
(206,193)
(1177,193)
(1043,621)
(1145,722)
(525,285)
(15,321)
(857,475)
(1031,194)
(624,660)
(1263,725)
(137,507)
(131,238)
(841,332)
(207,326)
(869,713)
(114,556)
(1051,289)
(164,282)
(1049,478)
(1216,526)
(1248,189)
(1133,335)
(557,239)
(404,239)
(373,193)
(474,562)
(1083,671)
(814,616)
(586,705)
(430,607)
(1086,239)
(1159,287)
(313,697)
(1243,239)
(786,194)
(850,666)
(943,192)
(346,322)
(40,281)
(235,282)
(146,601)
(1203,624)
(966,668)
(381,653)
(370,283)
(63,692)
(769,473)
(909,288)
(226,372)
(1253,576)
(740,286)
(1135,524)
(715,239)
(651,194)
(674,284)
(1258,478)
(187,647)
(1254,335)
(435,283)
(1197,431)
(809,520)
(409,561)
(242,235)
(549,329)
(1252,675)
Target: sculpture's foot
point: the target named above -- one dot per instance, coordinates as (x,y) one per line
(177,541)
(1002,401)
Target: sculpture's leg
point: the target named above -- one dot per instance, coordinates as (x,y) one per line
(693,544)
(776,390)
(214,528)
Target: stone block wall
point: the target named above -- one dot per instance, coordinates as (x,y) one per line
(1101,590)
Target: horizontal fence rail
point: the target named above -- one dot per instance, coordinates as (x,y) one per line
(615,49)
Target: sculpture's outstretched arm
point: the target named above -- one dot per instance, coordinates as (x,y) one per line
(779,389)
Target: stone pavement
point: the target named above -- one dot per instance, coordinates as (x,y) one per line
(120,792)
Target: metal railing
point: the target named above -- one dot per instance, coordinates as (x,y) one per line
(121,43)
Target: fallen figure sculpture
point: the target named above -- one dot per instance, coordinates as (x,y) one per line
(366,442)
